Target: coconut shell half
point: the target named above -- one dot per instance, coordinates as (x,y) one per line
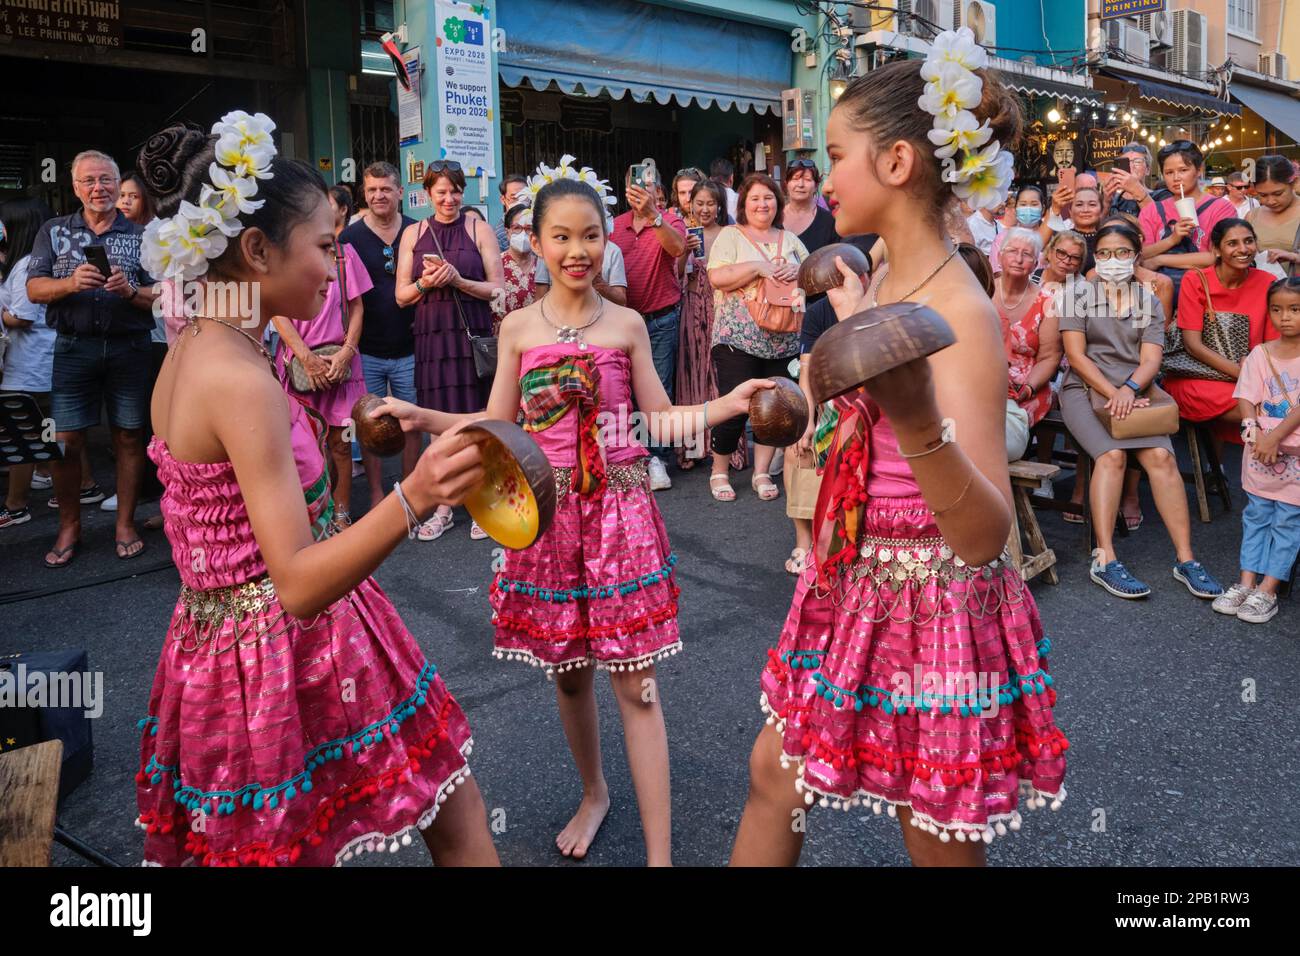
(380,436)
(856,350)
(515,504)
(779,415)
(819,274)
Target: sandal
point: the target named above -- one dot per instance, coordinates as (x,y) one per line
(124,552)
(795,564)
(766,490)
(65,556)
(1069,517)
(1133,522)
(435,527)
(342,519)
(475,532)
(724,491)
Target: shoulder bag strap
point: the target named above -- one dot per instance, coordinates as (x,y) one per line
(1286,394)
(455,293)
(1211,319)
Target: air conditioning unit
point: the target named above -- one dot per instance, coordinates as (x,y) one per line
(980,16)
(915,18)
(1191,30)
(1159,27)
(1274,64)
(1129,41)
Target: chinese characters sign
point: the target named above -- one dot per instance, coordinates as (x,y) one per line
(83,22)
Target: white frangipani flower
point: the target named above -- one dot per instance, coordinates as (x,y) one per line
(959,135)
(235,191)
(953,89)
(955,46)
(986,187)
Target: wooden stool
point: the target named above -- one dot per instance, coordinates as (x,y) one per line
(1069,456)
(1197,434)
(1026,476)
(29,797)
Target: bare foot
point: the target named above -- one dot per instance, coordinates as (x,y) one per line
(575,839)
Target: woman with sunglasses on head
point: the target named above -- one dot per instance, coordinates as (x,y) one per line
(1277,219)
(813,225)
(449,267)
(1173,243)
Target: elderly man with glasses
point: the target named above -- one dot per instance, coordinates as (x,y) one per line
(102,314)
(387,343)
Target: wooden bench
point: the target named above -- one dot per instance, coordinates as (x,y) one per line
(1026,477)
(29,798)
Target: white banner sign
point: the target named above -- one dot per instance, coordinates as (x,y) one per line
(410,125)
(466,118)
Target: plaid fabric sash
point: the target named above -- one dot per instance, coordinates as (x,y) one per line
(548,392)
(827,418)
(318,495)
(837,521)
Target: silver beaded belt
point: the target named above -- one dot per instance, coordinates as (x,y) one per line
(630,477)
(208,611)
(918,559)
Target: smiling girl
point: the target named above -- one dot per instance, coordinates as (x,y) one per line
(597,590)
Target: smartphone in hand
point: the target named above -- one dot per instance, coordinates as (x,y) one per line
(432,260)
(97,256)
(1065,176)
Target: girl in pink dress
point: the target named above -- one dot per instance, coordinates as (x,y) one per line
(910,674)
(597,590)
(293,718)
(333,396)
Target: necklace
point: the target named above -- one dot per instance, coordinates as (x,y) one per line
(256,344)
(572,334)
(922,283)
(1003,296)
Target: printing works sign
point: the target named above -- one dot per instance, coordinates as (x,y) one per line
(466,120)
(82,22)
(1110,9)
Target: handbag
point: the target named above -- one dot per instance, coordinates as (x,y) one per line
(773,309)
(1291,444)
(1233,343)
(482,347)
(1158,418)
(297,371)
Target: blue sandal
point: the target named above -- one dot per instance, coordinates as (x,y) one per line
(1198,580)
(1115,578)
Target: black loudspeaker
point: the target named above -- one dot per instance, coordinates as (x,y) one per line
(49,695)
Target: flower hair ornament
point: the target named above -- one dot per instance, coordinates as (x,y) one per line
(980,170)
(180,248)
(545,175)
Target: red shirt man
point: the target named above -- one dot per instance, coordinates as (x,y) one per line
(651,242)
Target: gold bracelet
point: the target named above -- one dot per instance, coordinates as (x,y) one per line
(969,481)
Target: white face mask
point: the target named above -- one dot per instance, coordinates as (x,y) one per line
(1115,270)
(519,242)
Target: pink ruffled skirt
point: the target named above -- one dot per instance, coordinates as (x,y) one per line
(272,740)
(917,681)
(596,588)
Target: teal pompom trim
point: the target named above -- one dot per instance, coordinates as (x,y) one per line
(564,595)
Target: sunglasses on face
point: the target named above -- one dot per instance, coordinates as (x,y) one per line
(439,165)
(389,265)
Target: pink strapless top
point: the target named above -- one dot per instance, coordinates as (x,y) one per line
(205,516)
(888,473)
(613,396)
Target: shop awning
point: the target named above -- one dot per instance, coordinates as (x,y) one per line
(1180,97)
(621,47)
(1275,108)
(1038,86)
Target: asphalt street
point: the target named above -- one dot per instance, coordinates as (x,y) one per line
(1169,764)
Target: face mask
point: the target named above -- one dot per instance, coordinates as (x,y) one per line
(1029,215)
(1115,270)
(519,242)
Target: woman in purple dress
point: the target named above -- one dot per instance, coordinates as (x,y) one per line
(449,268)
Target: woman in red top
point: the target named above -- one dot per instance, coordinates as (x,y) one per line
(1238,293)
(1032,340)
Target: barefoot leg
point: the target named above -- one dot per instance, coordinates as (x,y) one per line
(458,835)
(576,695)
(772,826)
(647,757)
(928,850)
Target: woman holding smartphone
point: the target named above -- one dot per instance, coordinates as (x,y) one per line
(450,268)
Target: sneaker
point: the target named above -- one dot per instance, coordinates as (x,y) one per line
(10,518)
(41,482)
(1231,600)
(1114,577)
(1259,608)
(89,496)
(1198,580)
(108,504)
(659,480)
